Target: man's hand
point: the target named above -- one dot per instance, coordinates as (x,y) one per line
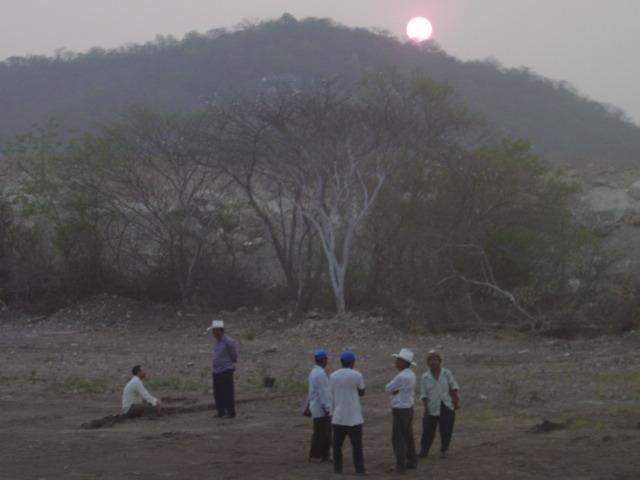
(455,399)
(395,392)
(307,411)
(157,407)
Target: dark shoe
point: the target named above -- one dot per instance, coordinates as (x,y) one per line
(315,460)
(361,474)
(230,415)
(423,454)
(412,467)
(219,415)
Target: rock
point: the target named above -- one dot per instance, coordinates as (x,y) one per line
(271,349)
(634,190)
(603,183)
(547,426)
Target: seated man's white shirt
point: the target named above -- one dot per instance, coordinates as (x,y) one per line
(405,384)
(319,393)
(346,400)
(135,393)
(437,391)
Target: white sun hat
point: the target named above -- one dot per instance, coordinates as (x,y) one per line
(216,324)
(406,355)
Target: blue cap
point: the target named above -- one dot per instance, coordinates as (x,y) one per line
(320,355)
(347,357)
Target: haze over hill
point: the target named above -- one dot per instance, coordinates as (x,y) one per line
(80,91)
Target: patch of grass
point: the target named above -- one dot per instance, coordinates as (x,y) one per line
(176,384)
(579,422)
(290,387)
(630,380)
(257,386)
(77,386)
(485,414)
(617,385)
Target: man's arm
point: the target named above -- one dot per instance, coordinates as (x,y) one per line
(325,394)
(454,388)
(147,396)
(423,394)
(361,386)
(455,399)
(233,352)
(393,387)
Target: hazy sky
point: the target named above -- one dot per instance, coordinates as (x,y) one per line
(591,43)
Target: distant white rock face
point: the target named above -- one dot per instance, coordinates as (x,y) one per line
(605,199)
(611,204)
(616,212)
(634,190)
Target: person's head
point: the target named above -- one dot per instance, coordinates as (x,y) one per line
(321,358)
(402,364)
(347,360)
(217,329)
(434,360)
(137,371)
(404,359)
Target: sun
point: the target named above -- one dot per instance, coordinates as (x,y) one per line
(419,29)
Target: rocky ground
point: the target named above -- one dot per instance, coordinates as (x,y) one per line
(62,371)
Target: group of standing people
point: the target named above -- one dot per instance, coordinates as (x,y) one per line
(334,404)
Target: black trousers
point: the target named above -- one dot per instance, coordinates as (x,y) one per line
(223,393)
(404,445)
(140,409)
(444,423)
(340,432)
(321,439)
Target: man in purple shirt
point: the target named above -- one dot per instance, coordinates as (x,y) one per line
(225,356)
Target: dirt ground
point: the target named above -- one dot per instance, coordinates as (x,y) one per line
(60,372)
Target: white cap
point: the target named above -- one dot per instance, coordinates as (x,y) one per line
(216,324)
(406,355)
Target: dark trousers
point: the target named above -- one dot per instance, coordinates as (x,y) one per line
(340,432)
(140,409)
(321,439)
(444,423)
(404,445)
(223,393)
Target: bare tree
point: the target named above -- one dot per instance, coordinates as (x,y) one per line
(241,139)
(164,205)
(330,153)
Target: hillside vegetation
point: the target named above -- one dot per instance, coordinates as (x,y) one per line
(80,91)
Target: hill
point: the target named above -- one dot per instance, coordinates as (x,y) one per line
(82,90)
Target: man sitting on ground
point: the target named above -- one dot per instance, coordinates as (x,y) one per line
(136,400)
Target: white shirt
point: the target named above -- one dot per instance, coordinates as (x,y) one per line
(405,384)
(134,392)
(346,401)
(319,393)
(437,391)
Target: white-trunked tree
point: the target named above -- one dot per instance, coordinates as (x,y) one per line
(331,152)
